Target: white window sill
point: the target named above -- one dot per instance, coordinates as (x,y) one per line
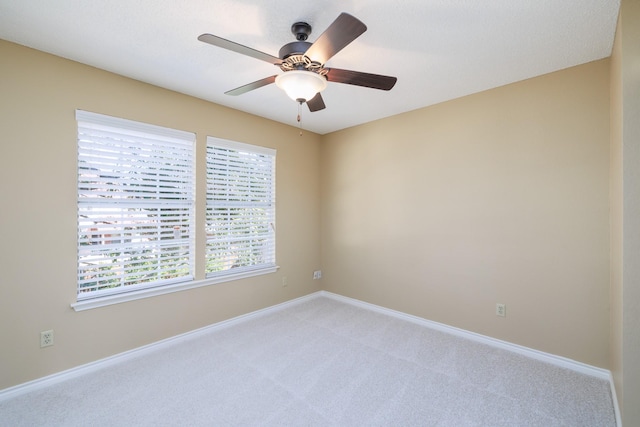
(161,290)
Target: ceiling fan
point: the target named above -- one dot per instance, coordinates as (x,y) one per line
(304,74)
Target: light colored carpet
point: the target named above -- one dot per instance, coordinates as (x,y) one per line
(326,363)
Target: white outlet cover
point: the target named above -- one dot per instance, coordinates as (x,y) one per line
(46,338)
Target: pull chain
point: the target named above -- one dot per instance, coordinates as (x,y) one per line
(299,117)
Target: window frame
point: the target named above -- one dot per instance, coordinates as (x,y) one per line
(135,206)
(255,169)
(107,298)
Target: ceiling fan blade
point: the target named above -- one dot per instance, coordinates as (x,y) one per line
(316,103)
(374,81)
(251,86)
(340,33)
(238,48)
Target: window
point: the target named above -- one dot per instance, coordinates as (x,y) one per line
(136,211)
(240,217)
(135,205)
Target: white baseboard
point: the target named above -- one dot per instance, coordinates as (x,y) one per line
(58,377)
(583,368)
(560,361)
(515,348)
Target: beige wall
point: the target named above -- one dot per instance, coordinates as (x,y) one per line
(498,197)
(625,206)
(39,94)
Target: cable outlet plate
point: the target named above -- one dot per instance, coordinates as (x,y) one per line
(501,310)
(46,338)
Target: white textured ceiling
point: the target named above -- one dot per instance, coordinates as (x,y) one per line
(438,49)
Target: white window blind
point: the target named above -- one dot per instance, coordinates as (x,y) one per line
(240,216)
(135,205)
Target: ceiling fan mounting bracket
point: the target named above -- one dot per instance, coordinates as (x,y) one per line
(301,30)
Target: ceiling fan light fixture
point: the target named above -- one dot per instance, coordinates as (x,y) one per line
(300,85)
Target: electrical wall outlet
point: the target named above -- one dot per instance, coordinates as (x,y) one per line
(285,283)
(317,274)
(46,338)
(501,310)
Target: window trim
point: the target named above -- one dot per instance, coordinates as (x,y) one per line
(103,301)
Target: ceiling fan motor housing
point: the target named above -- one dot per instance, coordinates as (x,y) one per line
(293,48)
(301,30)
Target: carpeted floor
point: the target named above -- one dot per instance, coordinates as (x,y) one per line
(327,363)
